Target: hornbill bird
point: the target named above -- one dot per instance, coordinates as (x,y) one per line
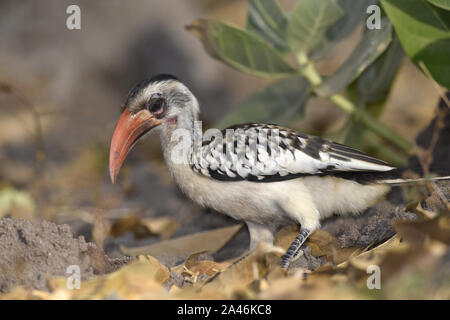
(268,183)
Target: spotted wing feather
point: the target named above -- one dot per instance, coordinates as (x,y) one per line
(264,153)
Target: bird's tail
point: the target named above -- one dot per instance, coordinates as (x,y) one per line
(400,181)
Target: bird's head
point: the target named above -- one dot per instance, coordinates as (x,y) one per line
(161,103)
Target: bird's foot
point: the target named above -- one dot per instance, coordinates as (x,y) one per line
(286,260)
(299,254)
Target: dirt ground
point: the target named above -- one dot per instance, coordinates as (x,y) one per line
(30,252)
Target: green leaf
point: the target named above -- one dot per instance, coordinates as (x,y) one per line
(309,21)
(424,32)
(371,46)
(443,4)
(266,19)
(375,82)
(278,103)
(436,57)
(354,13)
(240,49)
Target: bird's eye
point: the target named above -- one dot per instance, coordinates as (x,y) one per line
(156,105)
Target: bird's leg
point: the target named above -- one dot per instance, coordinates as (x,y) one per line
(258,232)
(294,251)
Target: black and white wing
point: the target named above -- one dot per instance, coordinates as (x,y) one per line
(265,152)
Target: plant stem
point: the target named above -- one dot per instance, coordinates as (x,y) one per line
(309,72)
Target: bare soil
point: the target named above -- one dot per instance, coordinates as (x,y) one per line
(31,252)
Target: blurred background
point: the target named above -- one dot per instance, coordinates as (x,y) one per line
(60,97)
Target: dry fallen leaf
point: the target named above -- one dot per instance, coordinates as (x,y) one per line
(210,241)
(324,244)
(162,226)
(123,225)
(419,231)
(142,279)
(285,236)
(237,279)
(204,267)
(376,255)
(144,227)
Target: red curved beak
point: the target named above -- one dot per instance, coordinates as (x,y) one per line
(129,129)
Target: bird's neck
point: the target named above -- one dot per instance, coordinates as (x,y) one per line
(173,138)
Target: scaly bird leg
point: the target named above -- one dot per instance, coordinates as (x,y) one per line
(294,251)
